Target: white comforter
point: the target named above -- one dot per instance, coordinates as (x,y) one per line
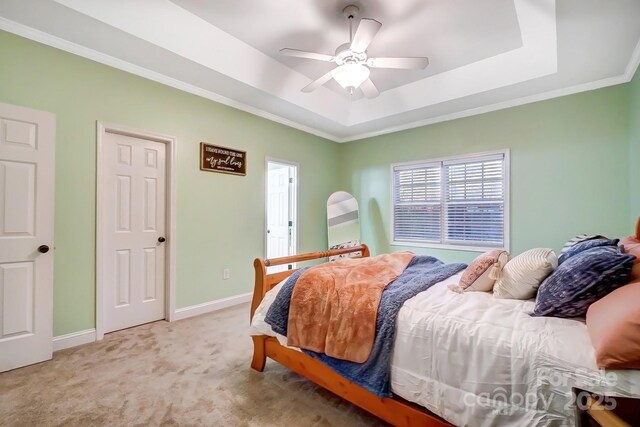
(476,360)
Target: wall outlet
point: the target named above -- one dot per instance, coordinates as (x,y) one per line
(226,274)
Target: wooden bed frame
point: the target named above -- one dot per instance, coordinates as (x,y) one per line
(394,410)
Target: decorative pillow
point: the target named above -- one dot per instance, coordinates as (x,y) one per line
(582,280)
(522,276)
(481,274)
(579,238)
(585,245)
(632,246)
(614,327)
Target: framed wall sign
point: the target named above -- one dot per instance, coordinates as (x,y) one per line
(214,158)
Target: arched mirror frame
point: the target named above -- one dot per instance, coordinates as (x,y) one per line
(343,221)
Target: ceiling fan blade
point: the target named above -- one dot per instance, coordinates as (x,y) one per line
(369,89)
(401,63)
(306,55)
(366,31)
(317,83)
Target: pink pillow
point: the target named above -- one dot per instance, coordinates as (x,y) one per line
(482,273)
(614,321)
(614,327)
(632,246)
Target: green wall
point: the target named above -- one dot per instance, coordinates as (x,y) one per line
(220,218)
(634,145)
(569,168)
(569,171)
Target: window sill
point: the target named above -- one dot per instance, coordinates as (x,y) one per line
(447,247)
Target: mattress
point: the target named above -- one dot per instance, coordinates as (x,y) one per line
(476,360)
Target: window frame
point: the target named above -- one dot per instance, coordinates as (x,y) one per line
(464,157)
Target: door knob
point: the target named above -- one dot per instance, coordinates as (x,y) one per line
(161,239)
(43,249)
(268,231)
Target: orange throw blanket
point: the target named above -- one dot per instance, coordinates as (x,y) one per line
(334,306)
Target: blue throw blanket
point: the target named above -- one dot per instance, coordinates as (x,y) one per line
(374,374)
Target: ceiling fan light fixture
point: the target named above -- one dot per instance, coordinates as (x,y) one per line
(351,76)
(353,63)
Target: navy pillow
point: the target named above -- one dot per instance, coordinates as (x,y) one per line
(582,280)
(579,238)
(584,246)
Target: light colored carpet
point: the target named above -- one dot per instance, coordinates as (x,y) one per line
(193,372)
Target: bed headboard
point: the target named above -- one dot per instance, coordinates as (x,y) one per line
(264,282)
(638,229)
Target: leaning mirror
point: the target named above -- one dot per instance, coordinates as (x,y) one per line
(343,221)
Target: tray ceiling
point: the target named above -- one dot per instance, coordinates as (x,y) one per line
(483,55)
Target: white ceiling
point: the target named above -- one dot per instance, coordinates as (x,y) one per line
(467,33)
(483,55)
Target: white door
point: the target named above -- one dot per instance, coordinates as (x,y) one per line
(134,213)
(27,149)
(278,213)
(280,210)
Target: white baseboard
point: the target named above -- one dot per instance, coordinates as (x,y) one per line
(74,339)
(208,307)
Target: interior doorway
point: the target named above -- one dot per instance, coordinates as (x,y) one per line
(135,225)
(27,172)
(281,211)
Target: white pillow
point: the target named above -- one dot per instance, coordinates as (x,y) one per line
(482,273)
(522,276)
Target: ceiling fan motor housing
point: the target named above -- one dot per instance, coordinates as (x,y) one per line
(344,55)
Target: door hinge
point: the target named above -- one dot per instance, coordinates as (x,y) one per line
(290,180)
(290,223)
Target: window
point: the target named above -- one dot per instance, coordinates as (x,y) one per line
(457,202)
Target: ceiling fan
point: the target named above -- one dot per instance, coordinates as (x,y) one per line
(353,63)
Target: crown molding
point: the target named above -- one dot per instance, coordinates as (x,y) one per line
(634,62)
(76,49)
(630,72)
(598,84)
(85,52)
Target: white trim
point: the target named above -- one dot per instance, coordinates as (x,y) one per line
(76,49)
(507,201)
(268,160)
(530,99)
(171,197)
(85,52)
(208,307)
(74,339)
(461,248)
(172,221)
(634,62)
(453,157)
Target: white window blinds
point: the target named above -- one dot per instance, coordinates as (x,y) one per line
(417,203)
(457,201)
